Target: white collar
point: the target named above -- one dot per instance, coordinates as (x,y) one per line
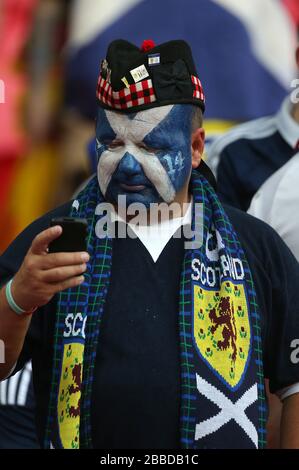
(155,237)
(286,124)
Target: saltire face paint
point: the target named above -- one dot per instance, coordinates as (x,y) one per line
(145,156)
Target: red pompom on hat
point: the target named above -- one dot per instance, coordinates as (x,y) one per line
(147,45)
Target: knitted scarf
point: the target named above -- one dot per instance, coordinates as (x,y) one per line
(221,376)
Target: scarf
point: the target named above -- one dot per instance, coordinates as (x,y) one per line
(222,401)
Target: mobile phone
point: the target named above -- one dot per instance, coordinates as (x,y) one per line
(73,237)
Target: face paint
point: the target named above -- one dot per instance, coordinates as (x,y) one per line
(146,156)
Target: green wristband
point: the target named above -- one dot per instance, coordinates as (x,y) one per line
(10,300)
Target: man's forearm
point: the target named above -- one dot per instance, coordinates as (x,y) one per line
(40,277)
(13,329)
(289,434)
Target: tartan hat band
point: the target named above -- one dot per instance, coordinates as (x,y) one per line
(141,95)
(132,79)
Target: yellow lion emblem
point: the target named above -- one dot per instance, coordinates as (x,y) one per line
(222,330)
(69,399)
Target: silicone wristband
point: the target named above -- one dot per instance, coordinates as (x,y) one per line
(13,305)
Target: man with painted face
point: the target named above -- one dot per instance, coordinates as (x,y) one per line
(147,157)
(152,340)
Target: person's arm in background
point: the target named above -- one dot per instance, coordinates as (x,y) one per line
(274,418)
(289,433)
(39,278)
(276,203)
(229,187)
(224,161)
(13,329)
(281,365)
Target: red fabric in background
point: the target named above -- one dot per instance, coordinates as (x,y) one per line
(293,7)
(15,27)
(7,173)
(16,17)
(12,137)
(7,222)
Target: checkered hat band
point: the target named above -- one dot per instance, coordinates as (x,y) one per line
(198,90)
(137,94)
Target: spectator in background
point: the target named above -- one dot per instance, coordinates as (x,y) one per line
(31,37)
(16,17)
(242,160)
(17,404)
(28,37)
(277,202)
(249,154)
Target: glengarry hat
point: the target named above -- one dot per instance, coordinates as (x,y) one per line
(133,79)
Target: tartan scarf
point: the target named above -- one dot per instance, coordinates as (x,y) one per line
(221,378)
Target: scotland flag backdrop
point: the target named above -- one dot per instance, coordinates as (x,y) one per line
(244,50)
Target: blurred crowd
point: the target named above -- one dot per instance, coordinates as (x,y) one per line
(39,137)
(50,53)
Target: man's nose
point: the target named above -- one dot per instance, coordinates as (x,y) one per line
(129,165)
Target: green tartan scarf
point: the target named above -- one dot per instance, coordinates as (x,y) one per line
(221,376)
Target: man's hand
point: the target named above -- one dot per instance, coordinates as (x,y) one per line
(39,278)
(43,274)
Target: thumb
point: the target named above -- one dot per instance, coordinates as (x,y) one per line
(42,240)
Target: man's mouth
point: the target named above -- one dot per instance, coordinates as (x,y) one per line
(132,188)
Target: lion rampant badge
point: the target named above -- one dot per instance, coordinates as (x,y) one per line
(69,399)
(222,331)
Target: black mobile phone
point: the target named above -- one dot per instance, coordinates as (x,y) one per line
(73,237)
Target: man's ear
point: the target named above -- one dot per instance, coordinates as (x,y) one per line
(197,146)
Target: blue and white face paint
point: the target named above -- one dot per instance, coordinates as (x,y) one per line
(144,156)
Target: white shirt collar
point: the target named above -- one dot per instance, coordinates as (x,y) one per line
(155,237)
(286,124)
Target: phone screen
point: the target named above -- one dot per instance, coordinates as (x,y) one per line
(73,237)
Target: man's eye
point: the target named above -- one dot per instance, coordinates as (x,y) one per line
(115,144)
(147,149)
